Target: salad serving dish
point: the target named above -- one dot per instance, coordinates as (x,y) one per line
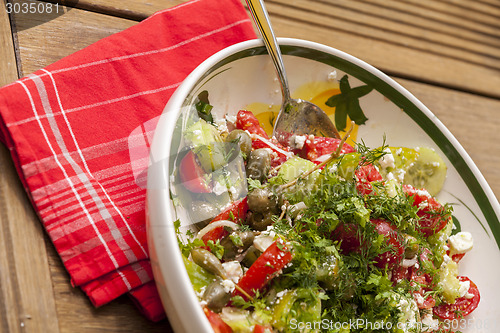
(242,76)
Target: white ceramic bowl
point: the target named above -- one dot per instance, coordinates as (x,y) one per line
(243,74)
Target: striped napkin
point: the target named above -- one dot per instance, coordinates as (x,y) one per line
(68,128)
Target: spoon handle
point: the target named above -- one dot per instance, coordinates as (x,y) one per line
(261,19)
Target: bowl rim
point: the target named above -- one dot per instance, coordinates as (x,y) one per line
(182,312)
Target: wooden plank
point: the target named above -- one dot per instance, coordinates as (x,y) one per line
(134,10)
(426,20)
(468,10)
(26,294)
(7,55)
(344,15)
(389,52)
(45,42)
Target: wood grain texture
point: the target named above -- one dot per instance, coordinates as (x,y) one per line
(26,293)
(397,47)
(45,43)
(134,10)
(8,67)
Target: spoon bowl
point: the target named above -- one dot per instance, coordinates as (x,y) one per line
(296,116)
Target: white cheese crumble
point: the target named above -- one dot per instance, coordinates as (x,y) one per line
(233,270)
(423,193)
(387,161)
(298,141)
(231,119)
(464,288)
(265,239)
(409,312)
(462,242)
(429,324)
(228,285)
(332,76)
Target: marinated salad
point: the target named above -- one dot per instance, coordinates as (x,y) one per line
(324,237)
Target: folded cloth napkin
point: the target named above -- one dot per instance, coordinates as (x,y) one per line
(68,129)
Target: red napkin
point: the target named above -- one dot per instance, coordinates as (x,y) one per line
(69,128)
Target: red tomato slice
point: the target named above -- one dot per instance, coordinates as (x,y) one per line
(262,329)
(430,211)
(455,257)
(366,174)
(317,146)
(349,237)
(235,212)
(462,306)
(400,273)
(351,241)
(245,120)
(192,174)
(265,268)
(218,325)
(394,255)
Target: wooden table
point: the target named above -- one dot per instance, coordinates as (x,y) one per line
(447,53)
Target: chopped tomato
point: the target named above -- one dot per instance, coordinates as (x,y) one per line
(245,120)
(262,329)
(365,175)
(394,255)
(462,306)
(236,212)
(349,237)
(399,273)
(192,175)
(316,146)
(431,212)
(423,281)
(265,268)
(218,325)
(351,240)
(423,301)
(279,153)
(455,257)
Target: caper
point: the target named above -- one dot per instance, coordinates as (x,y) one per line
(236,243)
(207,260)
(411,248)
(262,200)
(260,221)
(216,296)
(202,213)
(250,256)
(241,138)
(259,164)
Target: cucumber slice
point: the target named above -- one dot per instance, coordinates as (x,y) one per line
(295,167)
(427,171)
(402,158)
(207,145)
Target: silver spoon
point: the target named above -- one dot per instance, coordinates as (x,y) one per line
(296,117)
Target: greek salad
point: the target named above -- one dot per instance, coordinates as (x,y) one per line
(315,234)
